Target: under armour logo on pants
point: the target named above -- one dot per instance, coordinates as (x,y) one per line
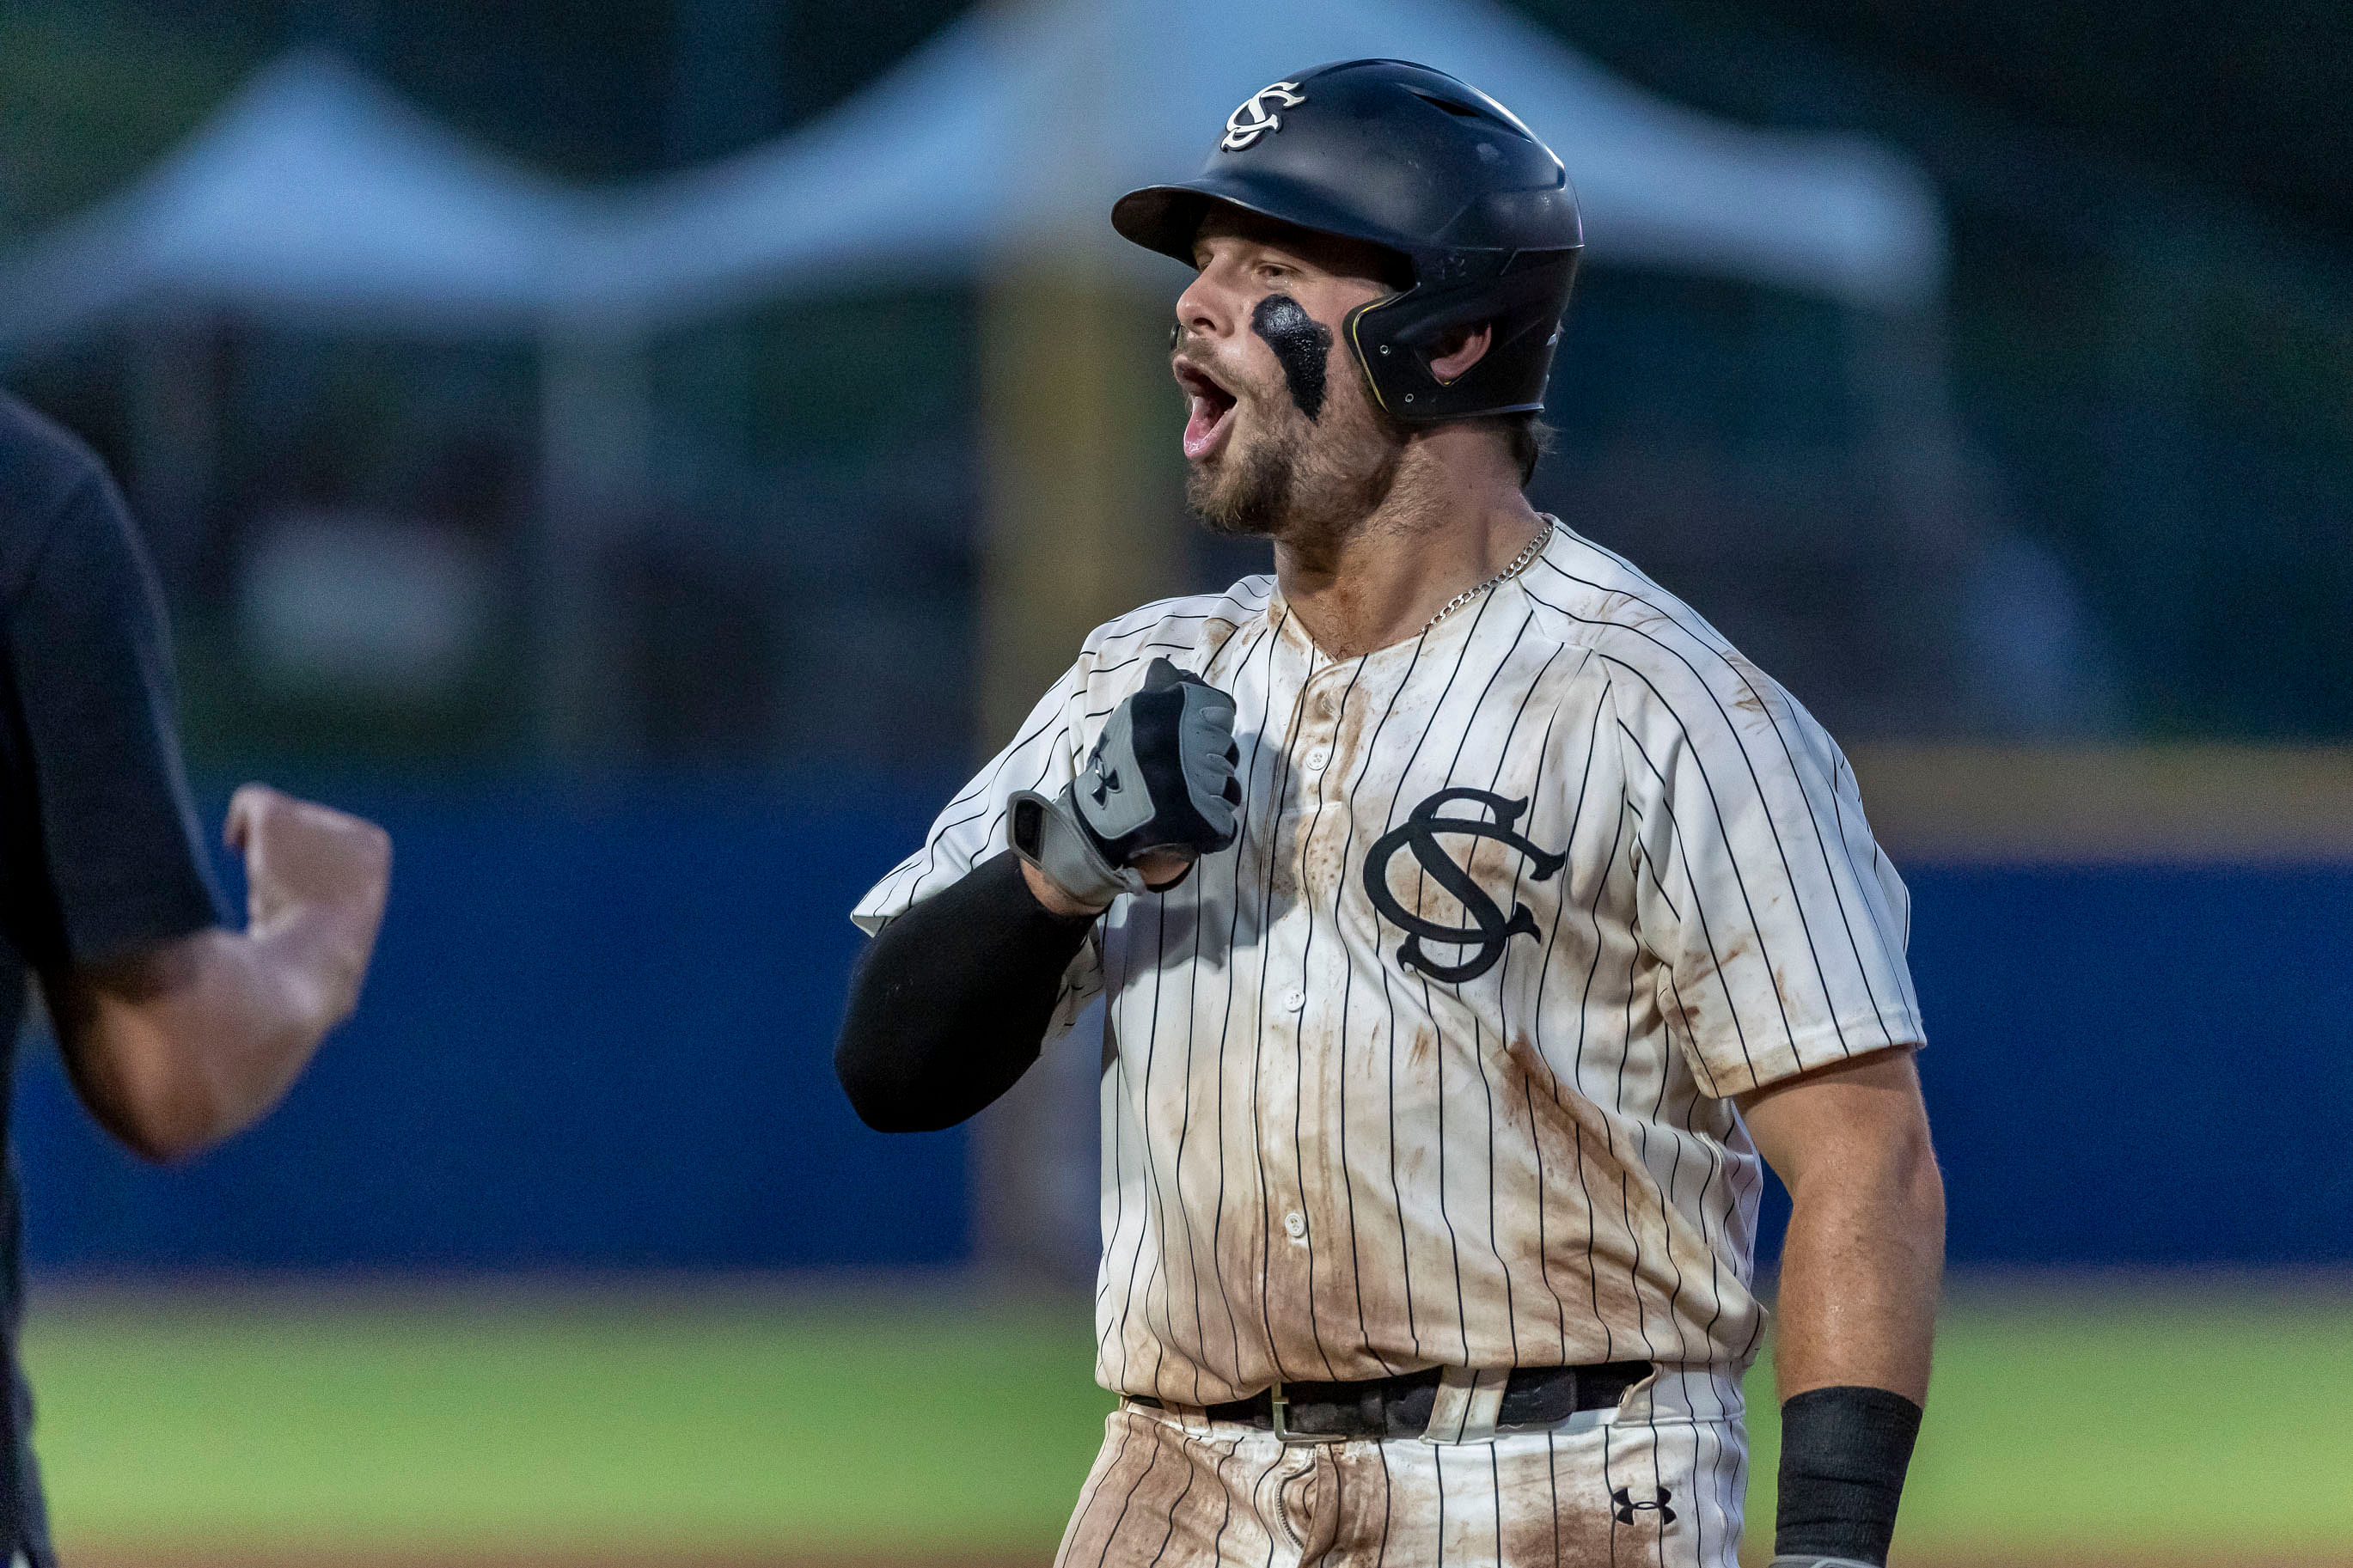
(1626,1508)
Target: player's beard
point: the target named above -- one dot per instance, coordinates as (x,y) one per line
(1298,479)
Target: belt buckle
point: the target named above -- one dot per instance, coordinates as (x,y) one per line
(1279,1405)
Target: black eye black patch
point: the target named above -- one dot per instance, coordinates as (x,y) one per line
(1302,344)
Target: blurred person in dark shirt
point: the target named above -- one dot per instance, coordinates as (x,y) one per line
(177,1031)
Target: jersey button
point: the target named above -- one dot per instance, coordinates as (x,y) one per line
(1294,1224)
(1316,759)
(1293,1000)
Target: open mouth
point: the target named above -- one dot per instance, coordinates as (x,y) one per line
(1211,410)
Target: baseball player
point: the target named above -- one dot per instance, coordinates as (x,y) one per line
(1469,916)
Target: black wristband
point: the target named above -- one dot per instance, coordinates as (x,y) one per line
(1843,1454)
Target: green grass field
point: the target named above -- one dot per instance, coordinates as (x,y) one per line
(2064,1422)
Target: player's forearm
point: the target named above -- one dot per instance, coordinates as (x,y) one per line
(948,1007)
(1860,1272)
(195,1040)
(1860,1275)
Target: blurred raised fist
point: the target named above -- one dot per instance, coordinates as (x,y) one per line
(310,865)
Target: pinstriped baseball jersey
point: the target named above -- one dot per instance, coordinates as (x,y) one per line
(1432,1066)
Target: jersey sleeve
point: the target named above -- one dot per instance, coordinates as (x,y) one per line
(98,817)
(974,826)
(1778,926)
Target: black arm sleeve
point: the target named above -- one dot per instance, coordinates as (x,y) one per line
(949,1004)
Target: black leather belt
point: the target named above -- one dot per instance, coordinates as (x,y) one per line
(1399,1406)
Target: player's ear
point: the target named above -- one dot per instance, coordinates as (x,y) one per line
(1461,351)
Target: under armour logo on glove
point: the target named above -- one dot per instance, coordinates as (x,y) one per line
(1624,1508)
(1160,777)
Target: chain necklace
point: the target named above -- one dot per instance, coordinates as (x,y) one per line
(1519,565)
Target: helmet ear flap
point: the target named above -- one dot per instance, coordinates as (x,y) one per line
(1375,348)
(1395,349)
(1392,338)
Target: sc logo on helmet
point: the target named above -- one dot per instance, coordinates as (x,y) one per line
(1253,120)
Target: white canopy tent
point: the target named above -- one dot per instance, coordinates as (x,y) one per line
(312,194)
(1025,122)
(316,193)
(316,198)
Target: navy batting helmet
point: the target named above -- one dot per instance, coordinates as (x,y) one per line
(1409,158)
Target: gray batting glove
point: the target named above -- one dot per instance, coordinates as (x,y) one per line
(1821,1562)
(1160,778)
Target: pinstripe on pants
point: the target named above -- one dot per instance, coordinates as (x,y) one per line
(1168,1492)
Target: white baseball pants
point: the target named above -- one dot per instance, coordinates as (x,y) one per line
(1173,1490)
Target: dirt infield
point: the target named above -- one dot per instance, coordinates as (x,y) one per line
(625,1558)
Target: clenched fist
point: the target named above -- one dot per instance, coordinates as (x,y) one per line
(1157,792)
(311,866)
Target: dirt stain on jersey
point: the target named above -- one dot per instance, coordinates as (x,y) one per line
(1624,610)
(1528,1061)
(1605,1233)
(1325,871)
(1678,1016)
(1753,687)
(1324,856)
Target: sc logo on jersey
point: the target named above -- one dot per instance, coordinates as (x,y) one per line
(1253,120)
(1490,931)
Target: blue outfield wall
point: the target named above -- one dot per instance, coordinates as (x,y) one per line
(601,1040)
(2140,1066)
